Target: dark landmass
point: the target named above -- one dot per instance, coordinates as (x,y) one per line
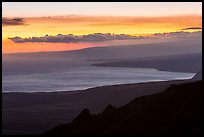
(177,63)
(176,111)
(34,113)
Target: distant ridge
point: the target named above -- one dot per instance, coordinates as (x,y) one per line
(124,51)
(175,63)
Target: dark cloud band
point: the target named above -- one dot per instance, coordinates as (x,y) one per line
(178,34)
(192,28)
(70,38)
(99,37)
(12,22)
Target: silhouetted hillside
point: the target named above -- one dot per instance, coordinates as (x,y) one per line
(176,111)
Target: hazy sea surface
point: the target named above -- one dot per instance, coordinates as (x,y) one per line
(83,77)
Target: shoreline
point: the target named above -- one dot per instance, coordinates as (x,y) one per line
(82,90)
(92,88)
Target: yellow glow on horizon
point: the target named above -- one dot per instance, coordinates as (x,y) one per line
(82,25)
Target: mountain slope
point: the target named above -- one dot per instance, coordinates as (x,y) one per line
(176,111)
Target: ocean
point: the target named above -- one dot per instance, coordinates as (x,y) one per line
(83,77)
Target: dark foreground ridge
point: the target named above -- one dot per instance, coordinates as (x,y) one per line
(176,111)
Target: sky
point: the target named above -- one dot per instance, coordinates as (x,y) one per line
(46,20)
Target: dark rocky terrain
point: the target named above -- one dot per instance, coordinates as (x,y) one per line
(175,111)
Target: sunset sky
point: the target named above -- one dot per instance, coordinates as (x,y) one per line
(24,20)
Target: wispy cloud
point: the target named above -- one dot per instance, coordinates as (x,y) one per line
(70,38)
(12,21)
(192,28)
(121,20)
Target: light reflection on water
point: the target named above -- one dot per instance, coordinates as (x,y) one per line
(84,77)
